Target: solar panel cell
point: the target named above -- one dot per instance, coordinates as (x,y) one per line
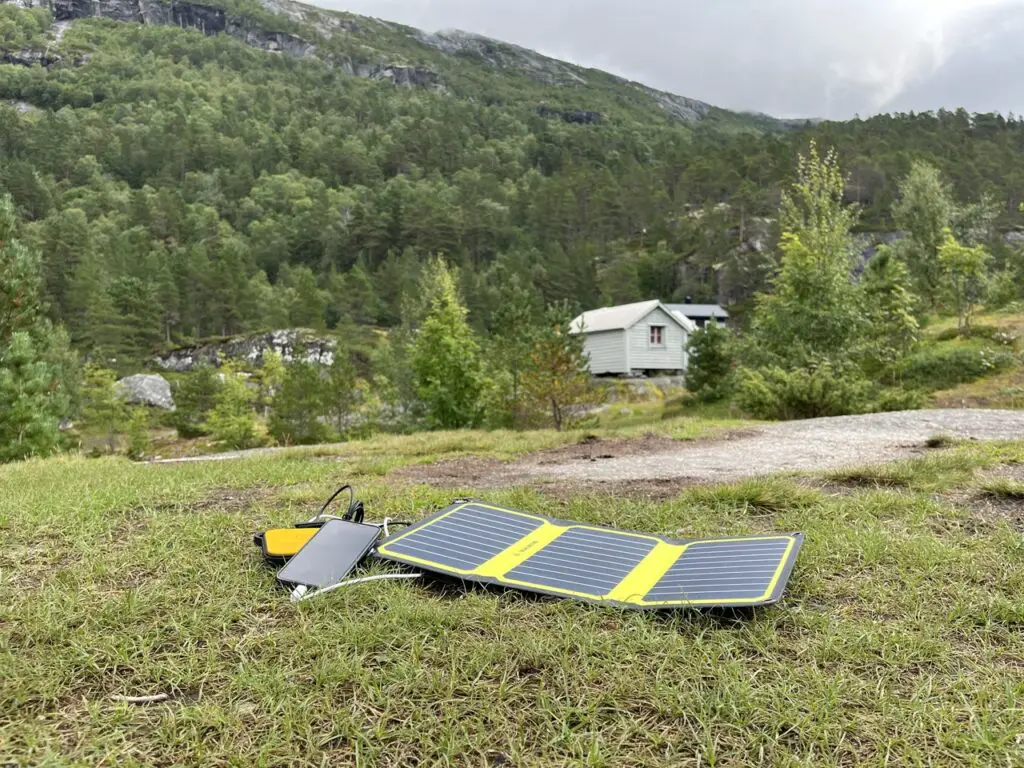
(729,570)
(584,561)
(465,538)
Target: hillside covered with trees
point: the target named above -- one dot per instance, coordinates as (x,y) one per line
(186,171)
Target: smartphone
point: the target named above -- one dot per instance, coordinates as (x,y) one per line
(330,555)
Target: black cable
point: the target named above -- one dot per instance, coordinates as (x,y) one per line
(355,511)
(351,498)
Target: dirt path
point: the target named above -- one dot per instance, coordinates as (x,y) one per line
(811,445)
(657,466)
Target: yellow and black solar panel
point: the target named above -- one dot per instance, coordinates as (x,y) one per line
(479,542)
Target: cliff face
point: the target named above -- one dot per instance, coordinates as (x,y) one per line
(208,19)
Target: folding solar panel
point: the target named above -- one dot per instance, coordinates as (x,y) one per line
(483,543)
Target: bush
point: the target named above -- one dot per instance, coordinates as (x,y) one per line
(991,333)
(773,393)
(138,434)
(897,400)
(943,367)
(299,408)
(231,421)
(194,398)
(709,373)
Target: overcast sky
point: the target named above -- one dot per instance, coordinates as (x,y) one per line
(788,58)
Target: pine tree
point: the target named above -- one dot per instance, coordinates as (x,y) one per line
(36,367)
(31,409)
(308,305)
(892,328)
(340,390)
(516,320)
(709,372)
(103,407)
(446,356)
(299,406)
(194,399)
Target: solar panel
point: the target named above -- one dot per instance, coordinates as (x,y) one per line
(484,543)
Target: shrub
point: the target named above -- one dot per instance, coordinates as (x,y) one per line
(773,393)
(299,408)
(987,332)
(231,421)
(897,400)
(194,398)
(709,374)
(943,367)
(138,433)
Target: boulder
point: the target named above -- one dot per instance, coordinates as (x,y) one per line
(147,389)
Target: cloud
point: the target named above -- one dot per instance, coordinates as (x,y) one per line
(790,58)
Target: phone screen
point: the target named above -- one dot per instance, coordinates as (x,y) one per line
(329,556)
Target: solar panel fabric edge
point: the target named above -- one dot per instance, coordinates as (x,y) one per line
(556,527)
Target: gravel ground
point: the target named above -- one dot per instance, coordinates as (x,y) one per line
(656,465)
(814,444)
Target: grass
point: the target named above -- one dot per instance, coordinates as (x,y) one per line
(1004,389)
(1004,489)
(939,471)
(898,642)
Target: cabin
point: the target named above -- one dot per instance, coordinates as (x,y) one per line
(700,314)
(644,338)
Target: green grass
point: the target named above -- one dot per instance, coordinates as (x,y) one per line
(1005,489)
(898,641)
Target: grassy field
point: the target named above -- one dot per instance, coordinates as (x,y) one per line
(898,642)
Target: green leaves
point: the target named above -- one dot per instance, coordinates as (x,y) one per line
(964,271)
(709,373)
(232,421)
(446,356)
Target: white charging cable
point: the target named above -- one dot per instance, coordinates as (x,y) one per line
(301,593)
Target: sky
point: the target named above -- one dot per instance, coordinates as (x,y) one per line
(786,58)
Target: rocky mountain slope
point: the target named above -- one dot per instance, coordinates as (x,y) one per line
(378,50)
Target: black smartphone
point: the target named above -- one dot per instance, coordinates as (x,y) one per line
(330,555)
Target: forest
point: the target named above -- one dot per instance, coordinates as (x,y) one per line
(177,186)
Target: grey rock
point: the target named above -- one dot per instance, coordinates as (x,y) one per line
(679,107)
(291,345)
(147,389)
(548,71)
(22,108)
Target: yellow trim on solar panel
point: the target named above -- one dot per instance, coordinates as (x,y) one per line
(510,558)
(560,590)
(647,573)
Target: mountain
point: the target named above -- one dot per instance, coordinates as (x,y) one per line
(189,170)
(445,62)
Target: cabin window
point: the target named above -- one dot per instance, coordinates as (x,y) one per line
(657,335)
